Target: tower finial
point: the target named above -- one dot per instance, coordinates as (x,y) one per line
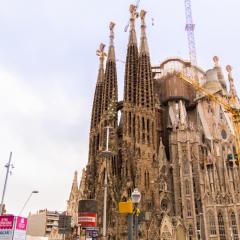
(229,70)
(216,61)
(142,15)
(233,96)
(134,15)
(111,51)
(100,52)
(111,27)
(143,44)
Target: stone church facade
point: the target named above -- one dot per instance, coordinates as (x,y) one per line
(166,139)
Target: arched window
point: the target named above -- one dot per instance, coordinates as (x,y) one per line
(234,226)
(187,187)
(186,167)
(211,224)
(189,209)
(221,227)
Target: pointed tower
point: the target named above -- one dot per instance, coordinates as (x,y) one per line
(95,130)
(131,61)
(129,104)
(94,143)
(109,96)
(130,81)
(97,102)
(145,99)
(144,76)
(110,88)
(144,163)
(72,204)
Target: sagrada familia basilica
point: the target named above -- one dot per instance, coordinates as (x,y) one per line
(167,139)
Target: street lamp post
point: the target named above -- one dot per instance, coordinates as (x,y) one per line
(136,197)
(8,166)
(106,153)
(35,191)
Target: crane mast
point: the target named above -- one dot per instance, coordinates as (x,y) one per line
(190,26)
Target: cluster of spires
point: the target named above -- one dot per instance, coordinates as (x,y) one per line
(137,64)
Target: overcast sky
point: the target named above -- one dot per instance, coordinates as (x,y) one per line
(48,69)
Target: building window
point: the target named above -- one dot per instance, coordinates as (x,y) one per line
(234,226)
(189,210)
(146,179)
(187,187)
(211,224)
(221,227)
(186,167)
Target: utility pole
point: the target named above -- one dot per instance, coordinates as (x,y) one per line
(8,166)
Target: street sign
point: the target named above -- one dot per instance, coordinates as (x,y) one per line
(125,207)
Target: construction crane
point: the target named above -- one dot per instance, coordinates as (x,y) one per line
(190,26)
(232,109)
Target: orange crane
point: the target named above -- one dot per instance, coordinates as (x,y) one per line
(232,107)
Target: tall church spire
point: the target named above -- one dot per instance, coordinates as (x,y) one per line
(131,61)
(75,183)
(110,88)
(144,76)
(96,111)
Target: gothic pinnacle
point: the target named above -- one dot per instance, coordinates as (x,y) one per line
(143,43)
(75,181)
(100,52)
(233,96)
(110,78)
(111,52)
(216,61)
(134,15)
(219,72)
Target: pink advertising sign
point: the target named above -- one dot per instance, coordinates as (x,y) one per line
(21,223)
(6,227)
(20,228)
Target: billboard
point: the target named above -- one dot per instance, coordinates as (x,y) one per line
(6,227)
(20,228)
